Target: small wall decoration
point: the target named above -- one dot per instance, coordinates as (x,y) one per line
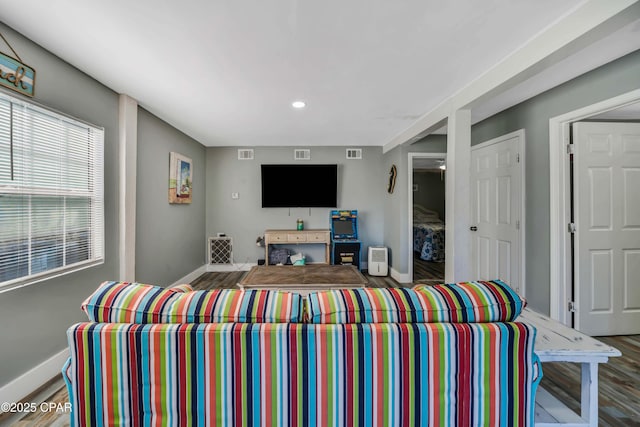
(180,178)
(16,75)
(393,173)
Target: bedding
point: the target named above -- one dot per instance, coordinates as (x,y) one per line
(428,234)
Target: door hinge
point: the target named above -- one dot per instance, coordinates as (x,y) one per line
(571,227)
(517,225)
(569,148)
(517,157)
(571,306)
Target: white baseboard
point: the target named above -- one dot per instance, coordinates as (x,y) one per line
(30,381)
(399,277)
(191,276)
(231,267)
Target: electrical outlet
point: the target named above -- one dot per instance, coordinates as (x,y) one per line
(235,196)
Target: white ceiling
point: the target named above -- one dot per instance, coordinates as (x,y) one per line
(226,72)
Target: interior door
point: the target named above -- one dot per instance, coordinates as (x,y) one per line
(607,219)
(496,191)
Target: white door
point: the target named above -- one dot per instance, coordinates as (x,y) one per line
(496,201)
(607,219)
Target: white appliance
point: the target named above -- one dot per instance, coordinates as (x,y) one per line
(378,261)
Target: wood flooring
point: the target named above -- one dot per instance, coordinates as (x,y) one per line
(619,379)
(619,383)
(427,272)
(229,280)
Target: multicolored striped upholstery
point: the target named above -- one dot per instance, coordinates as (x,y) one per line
(185,287)
(138,303)
(490,301)
(439,374)
(477,301)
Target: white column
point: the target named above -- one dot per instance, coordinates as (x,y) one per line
(458,212)
(127,147)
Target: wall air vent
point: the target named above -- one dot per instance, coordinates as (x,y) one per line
(220,250)
(302,154)
(245,154)
(354,153)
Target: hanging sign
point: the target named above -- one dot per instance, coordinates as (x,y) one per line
(17,76)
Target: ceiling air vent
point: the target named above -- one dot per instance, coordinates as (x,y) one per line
(302,154)
(354,153)
(245,154)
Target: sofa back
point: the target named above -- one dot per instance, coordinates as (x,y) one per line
(465,302)
(442,374)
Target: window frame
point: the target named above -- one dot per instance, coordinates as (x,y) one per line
(96,225)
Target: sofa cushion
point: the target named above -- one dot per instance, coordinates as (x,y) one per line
(235,305)
(363,305)
(488,301)
(477,301)
(123,302)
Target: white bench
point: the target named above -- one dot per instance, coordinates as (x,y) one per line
(556,342)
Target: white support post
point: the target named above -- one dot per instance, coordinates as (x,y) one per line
(458,214)
(128,148)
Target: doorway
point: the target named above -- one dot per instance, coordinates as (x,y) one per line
(566,287)
(427,174)
(605,173)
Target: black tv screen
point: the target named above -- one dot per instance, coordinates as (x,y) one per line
(299,186)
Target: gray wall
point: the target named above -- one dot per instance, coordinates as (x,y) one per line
(397,235)
(618,77)
(395,209)
(170,238)
(361,186)
(431,190)
(34,319)
(610,80)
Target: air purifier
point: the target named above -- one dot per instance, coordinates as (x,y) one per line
(378,261)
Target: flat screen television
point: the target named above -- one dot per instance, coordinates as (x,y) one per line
(299,186)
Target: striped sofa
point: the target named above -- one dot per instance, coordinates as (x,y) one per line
(446,355)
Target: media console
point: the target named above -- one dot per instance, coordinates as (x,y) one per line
(282,237)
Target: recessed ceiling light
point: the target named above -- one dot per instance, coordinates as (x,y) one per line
(298,104)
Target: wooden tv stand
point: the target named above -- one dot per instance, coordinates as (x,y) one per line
(320,236)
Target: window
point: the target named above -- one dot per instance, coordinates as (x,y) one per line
(51,193)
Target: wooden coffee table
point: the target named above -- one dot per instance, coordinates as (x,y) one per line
(303,277)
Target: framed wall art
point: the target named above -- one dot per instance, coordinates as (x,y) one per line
(180,178)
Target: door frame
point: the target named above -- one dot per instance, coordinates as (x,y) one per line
(412,156)
(560,198)
(520,134)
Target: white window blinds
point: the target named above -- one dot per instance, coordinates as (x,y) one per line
(51,192)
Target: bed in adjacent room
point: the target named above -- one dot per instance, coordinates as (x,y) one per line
(428,234)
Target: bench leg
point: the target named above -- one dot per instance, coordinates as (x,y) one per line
(589,394)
